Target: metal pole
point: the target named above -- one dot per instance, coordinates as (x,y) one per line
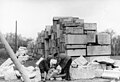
(14,59)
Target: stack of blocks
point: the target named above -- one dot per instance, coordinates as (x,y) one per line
(71,36)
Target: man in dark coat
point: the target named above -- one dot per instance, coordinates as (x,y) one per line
(64,61)
(44,66)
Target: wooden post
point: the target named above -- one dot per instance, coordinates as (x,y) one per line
(16,37)
(14,59)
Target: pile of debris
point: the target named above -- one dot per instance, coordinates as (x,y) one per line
(99,67)
(8,70)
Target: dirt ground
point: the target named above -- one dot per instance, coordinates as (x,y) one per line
(32,63)
(93,80)
(87,80)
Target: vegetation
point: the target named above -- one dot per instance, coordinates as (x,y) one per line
(115,42)
(27,42)
(10,37)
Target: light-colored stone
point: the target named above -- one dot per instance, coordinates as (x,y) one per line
(75,46)
(74,30)
(90,26)
(82,72)
(76,39)
(80,61)
(10,74)
(99,50)
(104,38)
(117,63)
(37,63)
(104,59)
(76,52)
(90,59)
(91,38)
(111,74)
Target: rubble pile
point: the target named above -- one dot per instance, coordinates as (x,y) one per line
(8,70)
(99,67)
(22,54)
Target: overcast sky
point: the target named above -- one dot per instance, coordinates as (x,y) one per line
(33,15)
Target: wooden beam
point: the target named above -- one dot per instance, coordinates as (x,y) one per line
(14,59)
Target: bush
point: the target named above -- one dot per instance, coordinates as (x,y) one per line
(4,54)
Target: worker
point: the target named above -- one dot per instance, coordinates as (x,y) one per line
(44,67)
(64,61)
(52,69)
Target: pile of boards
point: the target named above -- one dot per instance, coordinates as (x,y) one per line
(73,37)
